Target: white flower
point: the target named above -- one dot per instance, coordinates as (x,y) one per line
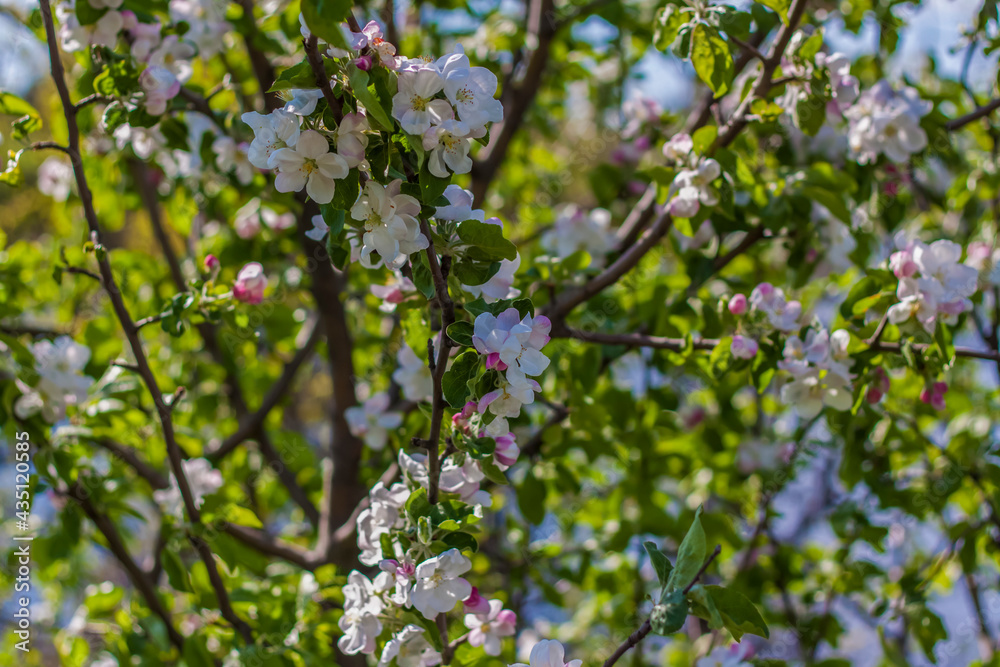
(61,381)
(506,401)
(351,139)
(448,146)
(144,37)
(548,653)
(488,629)
(390,223)
(360,622)
(276,130)
(106,29)
(230,156)
(381,516)
(371,421)
(512,343)
(303,100)
(174,55)
(940,261)
(812,390)
(631,372)
(414,107)
(396,579)
(459,208)
(575,229)
(413,375)
(55,178)
(410,648)
(160,86)
(799,355)
(311,165)
(783,315)
(887,122)
(439,586)
(393,293)
(202,480)
(500,285)
(471,90)
(692,188)
(678,148)
(145,141)
(320,229)
(732,656)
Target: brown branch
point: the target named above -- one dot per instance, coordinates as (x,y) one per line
(266,544)
(322,80)
(570,299)
(440,365)
(263,70)
(542,27)
(764,83)
(48,145)
(174,452)
(145,586)
(342,488)
(981,112)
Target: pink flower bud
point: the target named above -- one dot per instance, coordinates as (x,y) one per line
(476,603)
(507,451)
(874,395)
(902,264)
(738,305)
(364,63)
(250,284)
(212,263)
(507,617)
(743,347)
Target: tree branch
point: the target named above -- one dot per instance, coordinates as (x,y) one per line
(155,478)
(975,115)
(128,325)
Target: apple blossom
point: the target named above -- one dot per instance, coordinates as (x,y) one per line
(413,375)
(311,165)
(174,55)
(471,91)
(410,648)
(382,515)
(250,284)
(61,382)
(351,139)
(233,157)
(371,36)
(632,372)
(447,144)
(783,315)
(202,480)
(414,107)
(678,148)
(884,121)
(692,188)
(439,586)
(360,622)
(459,206)
(396,580)
(390,224)
(143,37)
(476,603)
(394,292)
(372,421)
(738,305)
(212,264)
(55,178)
(934,395)
(548,653)
(487,629)
(272,132)
(575,229)
(302,101)
(809,392)
(743,347)
(506,451)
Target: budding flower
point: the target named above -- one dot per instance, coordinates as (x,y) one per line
(363,63)
(250,284)
(476,603)
(743,347)
(934,396)
(212,264)
(738,305)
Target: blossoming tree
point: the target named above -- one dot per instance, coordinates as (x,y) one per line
(422,345)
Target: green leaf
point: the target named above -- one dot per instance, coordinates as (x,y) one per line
(862,289)
(422,278)
(431,186)
(738,613)
(324,18)
(660,562)
(690,556)
(461,541)
(703,606)
(11,175)
(668,617)
(470,272)
(712,59)
(296,76)
(493,472)
(486,242)
(481,448)
(669,21)
(531,498)
(704,137)
(455,383)
(780,7)
(29,121)
(376,112)
(461,333)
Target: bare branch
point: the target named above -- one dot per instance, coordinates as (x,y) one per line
(981,112)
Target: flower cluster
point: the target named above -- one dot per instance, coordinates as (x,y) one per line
(820,372)
(932,283)
(884,121)
(512,345)
(575,229)
(202,480)
(692,185)
(61,382)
